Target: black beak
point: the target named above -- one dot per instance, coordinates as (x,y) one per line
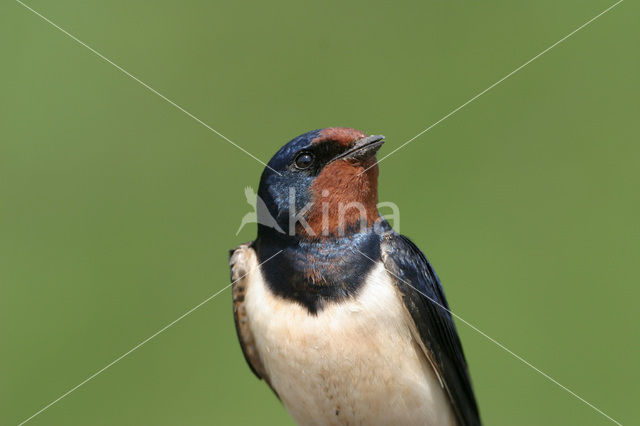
(363,149)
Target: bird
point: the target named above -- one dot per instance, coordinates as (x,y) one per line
(344,318)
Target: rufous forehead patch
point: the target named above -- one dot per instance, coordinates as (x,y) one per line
(345,136)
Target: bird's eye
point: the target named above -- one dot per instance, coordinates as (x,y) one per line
(304,160)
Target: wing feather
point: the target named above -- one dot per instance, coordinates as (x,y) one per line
(424,298)
(241,261)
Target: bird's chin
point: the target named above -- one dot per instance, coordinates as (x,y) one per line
(365,163)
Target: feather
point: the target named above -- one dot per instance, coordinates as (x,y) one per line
(424,299)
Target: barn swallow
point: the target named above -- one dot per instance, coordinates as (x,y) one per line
(341,316)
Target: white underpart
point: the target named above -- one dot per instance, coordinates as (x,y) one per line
(355,362)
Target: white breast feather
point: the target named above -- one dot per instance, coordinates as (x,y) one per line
(355,362)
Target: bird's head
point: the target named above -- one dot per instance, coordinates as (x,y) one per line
(321,184)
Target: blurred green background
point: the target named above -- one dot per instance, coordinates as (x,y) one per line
(117,210)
